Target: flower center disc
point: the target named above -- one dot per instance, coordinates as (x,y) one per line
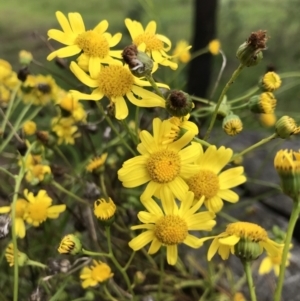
(37,212)
(163,166)
(93,44)
(115,81)
(171,230)
(204,183)
(247,230)
(151,41)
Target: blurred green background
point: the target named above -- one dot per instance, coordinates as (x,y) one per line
(24,26)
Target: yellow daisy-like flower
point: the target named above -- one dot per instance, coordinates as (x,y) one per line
(161,164)
(70,244)
(213,184)
(104,210)
(147,40)
(39,208)
(99,272)
(182,51)
(214,47)
(29,127)
(181,125)
(170,226)
(36,173)
(271,81)
(267,120)
(69,104)
(96,163)
(270,263)
(21,207)
(95,44)
(65,129)
(9,255)
(39,89)
(116,82)
(240,234)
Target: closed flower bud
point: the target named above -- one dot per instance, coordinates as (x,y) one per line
(45,138)
(29,127)
(9,254)
(139,62)
(25,57)
(250,52)
(105,211)
(264,103)
(287,164)
(139,277)
(270,82)
(286,126)
(247,250)
(178,103)
(232,125)
(70,244)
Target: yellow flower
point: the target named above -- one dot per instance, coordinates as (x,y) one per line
(267,120)
(65,129)
(104,210)
(21,207)
(232,125)
(264,103)
(116,82)
(147,40)
(36,173)
(29,127)
(239,297)
(71,105)
(180,125)
(270,263)
(39,89)
(213,184)
(99,272)
(39,208)
(9,255)
(70,244)
(271,81)
(161,164)
(170,226)
(241,233)
(287,164)
(182,51)
(95,44)
(96,163)
(214,47)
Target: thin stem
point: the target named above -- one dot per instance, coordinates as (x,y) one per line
(250,148)
(114,128)
(129,261)
(132,136)
(11,126)
(199,52)
(249,278)
(227,217)
(203,100)
(224,61)
(202,142)
(7,172)
(250,93)
(240,106)
(102,184)
(106,291)
(161,274)
(289,234)
(223,93)
(69,193)
(36,264)
(115,261)
(154,85)
(91,253)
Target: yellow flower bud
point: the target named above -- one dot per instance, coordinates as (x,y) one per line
(286,126)
(232,125)
(70,244)
(270,81)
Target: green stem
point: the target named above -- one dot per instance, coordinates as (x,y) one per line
(161,274)
(249,278)
(129,261)
(203,100)
(7,172)
(114,128)
(69,193)
(90,253)
(154,85)
(115,261)
(199,52)
(132,136)
(223,93)
(250,93)
(250,148)
(106,291)
(293,219)
(202,142)
(102,185)
(240,107)
(36,264)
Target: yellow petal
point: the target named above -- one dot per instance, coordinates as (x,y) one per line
(141,240)
(172,254)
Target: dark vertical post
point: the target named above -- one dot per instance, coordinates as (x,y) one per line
(204,31)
